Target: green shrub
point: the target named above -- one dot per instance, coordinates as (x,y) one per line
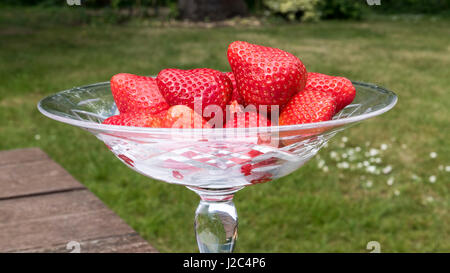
(341,9)
(305,10)
(414,6)
(92,3)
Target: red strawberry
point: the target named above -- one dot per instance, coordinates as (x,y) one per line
(161,114)
(265,75)
(134,119)
(209,86)
(308,106)
(341,88)
(181,116)
(232,109)
(247,120)
(250,119)
(134,93)
(235,94)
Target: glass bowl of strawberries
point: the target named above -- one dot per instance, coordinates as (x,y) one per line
(217,132)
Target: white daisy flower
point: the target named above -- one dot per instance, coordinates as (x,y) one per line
(373,152)
(384,147)
(387,169)
(371,169)
(433,154)
(334,155)
(432,179)
(321,164)
(390,181)
(447,168)
(396,192)
(37,137)
(344,139)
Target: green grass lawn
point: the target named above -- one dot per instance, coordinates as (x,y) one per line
(323,207)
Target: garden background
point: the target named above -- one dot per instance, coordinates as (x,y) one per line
(385,180)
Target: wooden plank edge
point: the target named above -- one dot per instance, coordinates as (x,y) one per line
(126,243)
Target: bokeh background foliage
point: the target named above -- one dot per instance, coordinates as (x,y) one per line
(304,10)
(385,180)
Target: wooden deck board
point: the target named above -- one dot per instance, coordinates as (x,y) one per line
(128,243)
(42,208)
(21,156)
(36,174)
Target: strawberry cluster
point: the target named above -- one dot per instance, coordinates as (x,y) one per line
(264,82)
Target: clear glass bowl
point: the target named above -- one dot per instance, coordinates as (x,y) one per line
(215,163)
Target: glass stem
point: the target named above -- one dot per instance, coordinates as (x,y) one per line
(216,225)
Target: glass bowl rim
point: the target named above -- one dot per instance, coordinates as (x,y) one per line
(281,128)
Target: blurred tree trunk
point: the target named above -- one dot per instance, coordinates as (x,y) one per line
(212,10)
